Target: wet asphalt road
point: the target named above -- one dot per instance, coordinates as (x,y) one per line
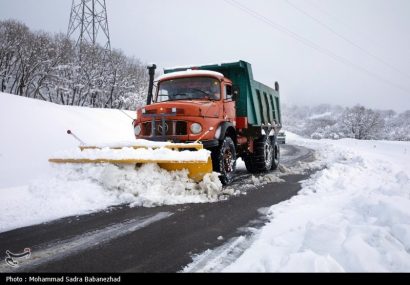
(160,239)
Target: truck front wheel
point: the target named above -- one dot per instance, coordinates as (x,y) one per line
(264,156)
(224,160)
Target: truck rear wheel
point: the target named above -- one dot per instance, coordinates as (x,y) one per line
(263,157)
(276,155)
(224,160)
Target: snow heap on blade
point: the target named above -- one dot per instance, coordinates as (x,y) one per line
(170,156)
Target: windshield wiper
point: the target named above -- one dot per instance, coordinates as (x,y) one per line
(202,91)
(208,96)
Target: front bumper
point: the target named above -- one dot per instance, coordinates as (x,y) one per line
(208,144)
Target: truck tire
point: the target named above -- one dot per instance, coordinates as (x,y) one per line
(276,155)
(224,160)
(262,158)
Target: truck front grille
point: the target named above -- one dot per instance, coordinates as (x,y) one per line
(172,128)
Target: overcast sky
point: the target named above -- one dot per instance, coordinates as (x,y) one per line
(321,51)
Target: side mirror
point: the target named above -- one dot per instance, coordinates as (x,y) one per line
(235,92)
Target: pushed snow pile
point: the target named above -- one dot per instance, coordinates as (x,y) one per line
(354,215)
(267,178)
(148,185)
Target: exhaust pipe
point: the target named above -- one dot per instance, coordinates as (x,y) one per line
(151,71)
(277,86)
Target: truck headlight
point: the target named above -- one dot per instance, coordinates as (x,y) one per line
(137,130)
(196,128)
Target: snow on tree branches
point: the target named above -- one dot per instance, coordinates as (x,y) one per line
(362,123)
(39,65)
(335,122)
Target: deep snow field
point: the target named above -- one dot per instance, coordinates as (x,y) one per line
(351,215)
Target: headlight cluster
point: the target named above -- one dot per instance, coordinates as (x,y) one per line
(196,128)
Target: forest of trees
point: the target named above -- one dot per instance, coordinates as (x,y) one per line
(49,67)
(335,122)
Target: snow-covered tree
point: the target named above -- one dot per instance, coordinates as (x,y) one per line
(397,127)
(362,123)
(335,122)
(41,66)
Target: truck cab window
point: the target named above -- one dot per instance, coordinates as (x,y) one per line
(191,88)
(228,92)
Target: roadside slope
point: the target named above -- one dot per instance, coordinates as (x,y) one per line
(32,130)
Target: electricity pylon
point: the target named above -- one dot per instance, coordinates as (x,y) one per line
(89,23)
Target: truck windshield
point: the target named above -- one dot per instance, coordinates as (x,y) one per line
(192,88)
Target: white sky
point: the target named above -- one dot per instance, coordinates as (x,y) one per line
(183,32)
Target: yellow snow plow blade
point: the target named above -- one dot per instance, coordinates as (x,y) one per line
(197,168)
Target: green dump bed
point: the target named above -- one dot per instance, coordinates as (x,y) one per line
(258,102)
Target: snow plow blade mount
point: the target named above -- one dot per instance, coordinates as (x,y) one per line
(197,168)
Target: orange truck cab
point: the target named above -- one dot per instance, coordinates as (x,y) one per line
(200,104)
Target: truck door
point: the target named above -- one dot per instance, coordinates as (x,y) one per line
(229,104)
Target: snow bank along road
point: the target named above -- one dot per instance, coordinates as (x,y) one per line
(162,238)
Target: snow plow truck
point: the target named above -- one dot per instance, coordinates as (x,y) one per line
(217,108)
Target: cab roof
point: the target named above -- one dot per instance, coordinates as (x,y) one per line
(190,73)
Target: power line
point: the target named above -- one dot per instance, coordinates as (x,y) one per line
(404,74)
(311,44)
(345,23)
